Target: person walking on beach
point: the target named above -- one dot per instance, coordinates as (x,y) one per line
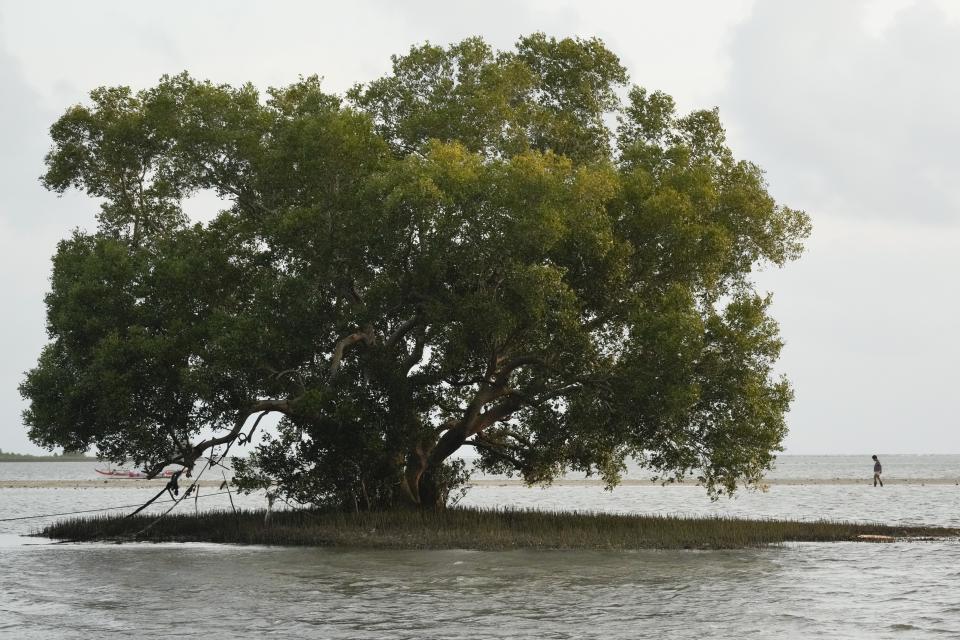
(877,470)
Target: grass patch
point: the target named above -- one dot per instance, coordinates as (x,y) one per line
(482,529)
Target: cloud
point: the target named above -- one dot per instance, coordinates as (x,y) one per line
(850,107)
(23,145)
(868,322)
(854,121)
(31,222)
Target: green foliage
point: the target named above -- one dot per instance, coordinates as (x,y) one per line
(460,253)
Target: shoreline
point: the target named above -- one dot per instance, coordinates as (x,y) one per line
(122,483)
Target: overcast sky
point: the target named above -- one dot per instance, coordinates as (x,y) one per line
(851,107)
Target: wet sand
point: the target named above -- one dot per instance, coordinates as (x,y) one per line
(788,482)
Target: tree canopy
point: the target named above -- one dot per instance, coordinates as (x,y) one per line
(512,251)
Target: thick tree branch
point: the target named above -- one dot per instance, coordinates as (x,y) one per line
(507,366)
(486,394)
(241,196)
(452,439)
(449,423)
(261,406)
(415,355)
(475,419)
(496,413)
(472,424)
(342,344)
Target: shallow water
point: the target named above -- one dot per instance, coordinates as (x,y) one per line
(841,467)
(905,504)
(846,590)
(816,468)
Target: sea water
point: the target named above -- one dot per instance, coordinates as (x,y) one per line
(834,590)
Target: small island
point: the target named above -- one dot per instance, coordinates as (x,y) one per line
(476,529)
(396,283)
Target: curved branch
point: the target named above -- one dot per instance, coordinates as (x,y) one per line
(293,373)
(405,327)
(262,406)
(448,443)
(244,438)
(496,413)
(507,366)
(361,336)
(178,443)
(415,356)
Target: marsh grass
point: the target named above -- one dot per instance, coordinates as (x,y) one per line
(483,529)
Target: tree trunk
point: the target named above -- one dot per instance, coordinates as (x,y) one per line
(432,495)
(425,489)
(426,484)
(412,474)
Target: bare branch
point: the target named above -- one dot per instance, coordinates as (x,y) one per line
(155,470)
(244,438)
(241,197)
(261,406)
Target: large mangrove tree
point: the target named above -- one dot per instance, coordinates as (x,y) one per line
(511,251)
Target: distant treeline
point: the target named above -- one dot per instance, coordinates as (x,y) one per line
(67,456)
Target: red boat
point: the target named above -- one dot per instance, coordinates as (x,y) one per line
(130,474)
